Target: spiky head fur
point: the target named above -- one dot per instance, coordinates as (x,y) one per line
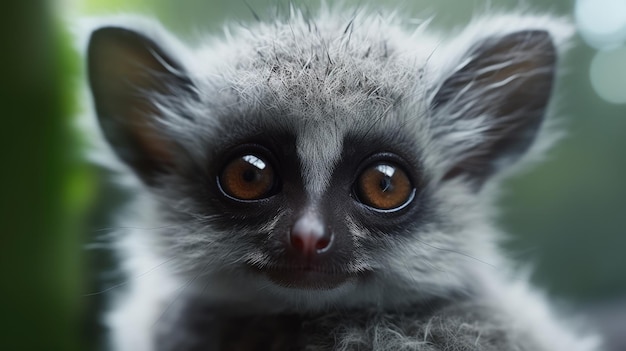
(328,90)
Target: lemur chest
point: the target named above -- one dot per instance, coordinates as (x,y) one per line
(194,326)
(205,329)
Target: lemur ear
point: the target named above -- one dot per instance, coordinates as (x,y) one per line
(128,73)
(495,101)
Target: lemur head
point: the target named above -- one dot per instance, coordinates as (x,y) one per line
(324,161)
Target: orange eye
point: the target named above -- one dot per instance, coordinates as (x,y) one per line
(248,177)
(384,186)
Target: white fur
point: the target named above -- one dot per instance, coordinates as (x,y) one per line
(465,258)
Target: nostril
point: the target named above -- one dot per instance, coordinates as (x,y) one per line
(309,236)
(297,242)
(322,243)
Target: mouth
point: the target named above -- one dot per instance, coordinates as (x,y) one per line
(306,277)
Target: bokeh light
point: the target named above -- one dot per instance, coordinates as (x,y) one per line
(608,75)
(602,23)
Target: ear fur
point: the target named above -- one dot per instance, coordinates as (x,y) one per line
(128,72)
(496,96)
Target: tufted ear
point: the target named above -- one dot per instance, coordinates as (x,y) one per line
(496,99)
(129,74)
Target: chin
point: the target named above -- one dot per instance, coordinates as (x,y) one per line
(309,290)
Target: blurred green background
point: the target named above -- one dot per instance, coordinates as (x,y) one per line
(567,215)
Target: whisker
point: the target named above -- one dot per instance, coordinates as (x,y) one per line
(456,252)
(181,290)
(112,229)
(129,280)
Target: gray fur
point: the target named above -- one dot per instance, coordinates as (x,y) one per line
(323,80)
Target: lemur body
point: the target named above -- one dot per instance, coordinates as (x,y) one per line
(324,183)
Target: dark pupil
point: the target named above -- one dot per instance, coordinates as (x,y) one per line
(386,184)
(250,175)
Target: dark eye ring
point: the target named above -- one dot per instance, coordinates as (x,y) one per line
(248,177)
(384,186)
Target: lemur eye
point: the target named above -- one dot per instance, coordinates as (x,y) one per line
(248,177)
(384,186)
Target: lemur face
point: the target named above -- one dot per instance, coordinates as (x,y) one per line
(348,161)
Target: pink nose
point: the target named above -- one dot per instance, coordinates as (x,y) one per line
(309,236)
